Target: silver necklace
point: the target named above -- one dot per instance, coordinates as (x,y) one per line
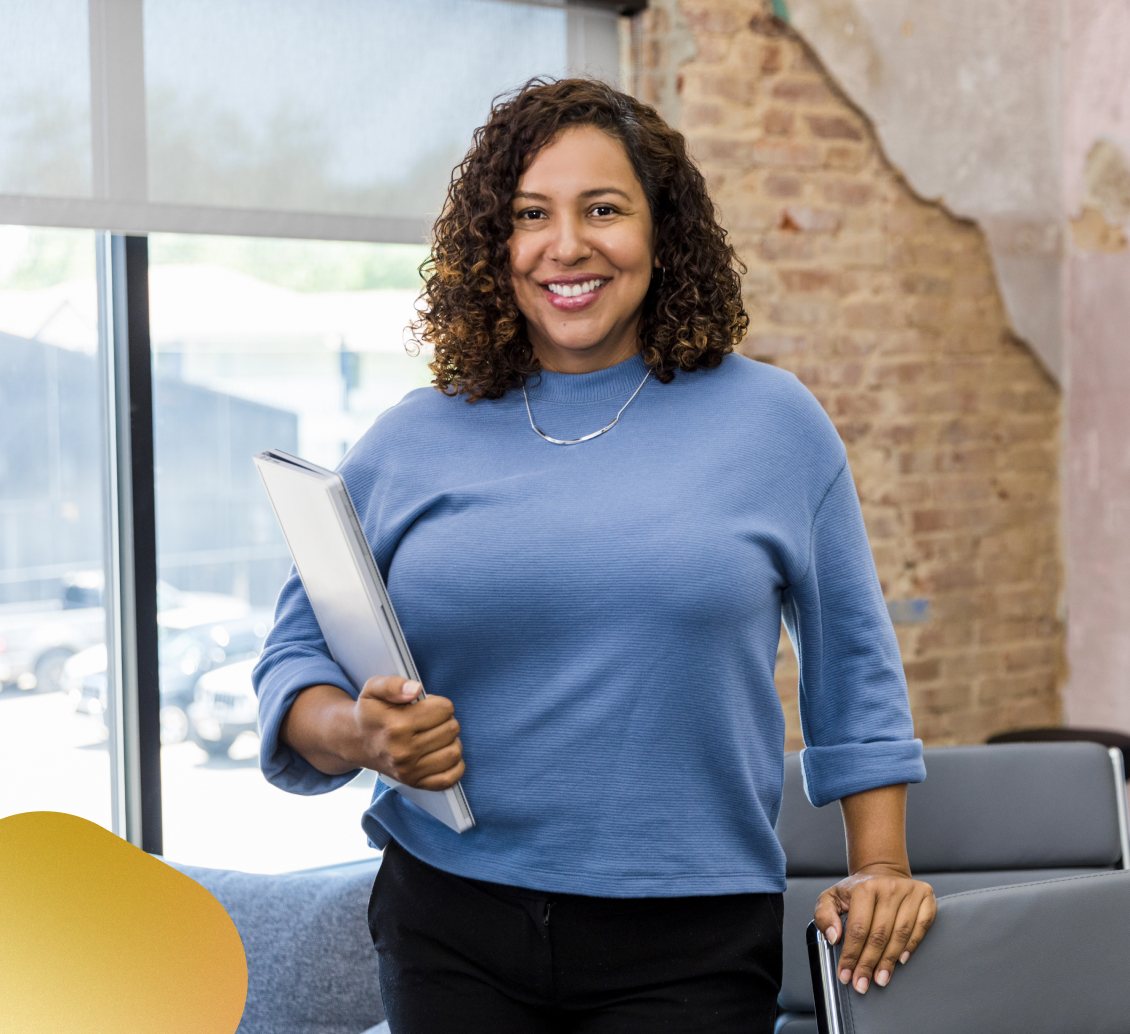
(587,437)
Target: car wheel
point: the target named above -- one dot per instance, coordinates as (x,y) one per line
(49,669)
(174,725)
(215,748)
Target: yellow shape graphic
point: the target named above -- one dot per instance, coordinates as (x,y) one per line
(97,937)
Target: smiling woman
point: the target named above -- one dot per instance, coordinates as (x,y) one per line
(599,623)
(595,190)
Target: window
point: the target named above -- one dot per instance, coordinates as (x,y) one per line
(54,751)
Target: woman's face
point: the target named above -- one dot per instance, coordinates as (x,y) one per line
(582,252)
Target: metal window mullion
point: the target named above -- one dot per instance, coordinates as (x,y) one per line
(117,509)
(131,600)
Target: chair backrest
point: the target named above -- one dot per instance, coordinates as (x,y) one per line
(1039,958)
(1007,806)
(985,816)
(1066,733)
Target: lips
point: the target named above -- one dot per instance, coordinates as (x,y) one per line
(568,296)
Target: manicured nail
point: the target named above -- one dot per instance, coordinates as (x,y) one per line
(882,978)
(845,976)
(861,985)
(411,689)
(831,934)
(903,957)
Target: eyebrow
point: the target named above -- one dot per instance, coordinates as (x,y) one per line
(595,192)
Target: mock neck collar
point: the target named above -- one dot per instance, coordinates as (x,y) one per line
(621,379)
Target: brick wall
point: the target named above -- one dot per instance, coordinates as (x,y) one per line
(887,308)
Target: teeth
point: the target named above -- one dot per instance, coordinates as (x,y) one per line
(573,290)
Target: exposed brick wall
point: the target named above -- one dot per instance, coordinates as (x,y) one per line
(887,308)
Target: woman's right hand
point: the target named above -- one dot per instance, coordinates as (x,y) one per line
(414,743)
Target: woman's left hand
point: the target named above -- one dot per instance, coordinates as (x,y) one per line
(888,914)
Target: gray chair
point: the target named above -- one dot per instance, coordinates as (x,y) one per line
(1038,958)
(985,816)
(311,967)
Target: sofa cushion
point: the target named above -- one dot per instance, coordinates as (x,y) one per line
(311,967)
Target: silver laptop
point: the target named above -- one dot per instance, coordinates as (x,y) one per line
(347,593)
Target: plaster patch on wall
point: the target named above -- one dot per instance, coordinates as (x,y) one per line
(1106,201)
(1091,232)
(1108,181)
(840,20)
(964,97)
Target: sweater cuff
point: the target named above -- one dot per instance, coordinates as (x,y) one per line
(282,766)
(846,768)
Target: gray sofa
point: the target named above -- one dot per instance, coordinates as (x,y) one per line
(311,968)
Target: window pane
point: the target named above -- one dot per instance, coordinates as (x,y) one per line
(257,344)
(53,749)
(44,98)
(355,106)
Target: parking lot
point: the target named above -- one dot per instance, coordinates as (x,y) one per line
(217,812)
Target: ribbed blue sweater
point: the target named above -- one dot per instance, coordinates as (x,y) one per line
(605,618)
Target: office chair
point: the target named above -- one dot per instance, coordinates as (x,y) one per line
(985,816)
(1036,958)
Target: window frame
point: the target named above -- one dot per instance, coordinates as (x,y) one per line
(132,677)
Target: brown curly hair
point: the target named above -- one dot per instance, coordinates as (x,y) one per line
(693,313)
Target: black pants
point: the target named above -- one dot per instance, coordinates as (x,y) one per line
(459,955)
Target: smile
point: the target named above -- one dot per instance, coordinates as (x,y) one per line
(575,290)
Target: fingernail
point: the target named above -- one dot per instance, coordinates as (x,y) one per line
(831,934)
(882,978)
(411,689)
(861,985)
(845,976)
(903,957)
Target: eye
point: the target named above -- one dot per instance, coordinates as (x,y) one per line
(529,214)
(603,210)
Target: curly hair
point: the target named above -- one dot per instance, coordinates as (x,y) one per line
(693,313)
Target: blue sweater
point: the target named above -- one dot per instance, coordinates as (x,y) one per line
(605,618)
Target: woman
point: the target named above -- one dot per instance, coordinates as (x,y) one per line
(590,562)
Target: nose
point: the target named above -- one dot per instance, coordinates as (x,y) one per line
(569,245)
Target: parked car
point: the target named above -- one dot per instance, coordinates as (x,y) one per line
(225,705)
(184,655)
(195,652)
(37,639)
(84,680)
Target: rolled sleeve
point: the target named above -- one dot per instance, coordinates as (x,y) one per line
(295,657)
(855,713)
(846,768)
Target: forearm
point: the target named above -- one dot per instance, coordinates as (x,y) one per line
(875,823)
(320,728)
